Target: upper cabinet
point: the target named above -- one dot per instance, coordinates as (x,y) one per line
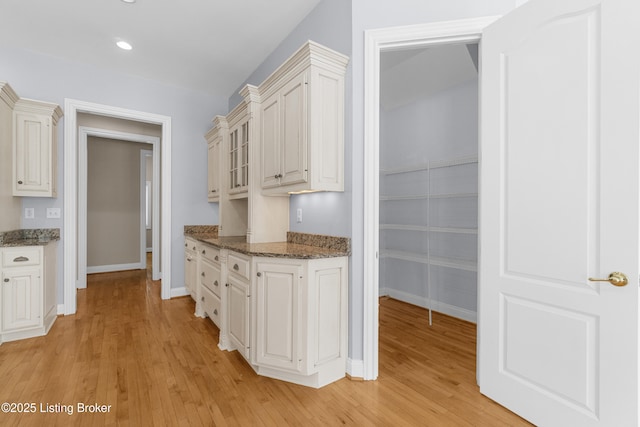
(302,123)
(35,148)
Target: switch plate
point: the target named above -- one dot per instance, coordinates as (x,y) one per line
(53,212)
(29,213)
(299,215)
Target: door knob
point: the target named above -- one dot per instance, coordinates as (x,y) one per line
(616,279)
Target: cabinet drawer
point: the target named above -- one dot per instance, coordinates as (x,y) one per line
(210,277)
(189,244)
(210,253)
(239,265)
(211,305)
(18,257)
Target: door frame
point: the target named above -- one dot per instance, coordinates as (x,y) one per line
(70,232)
(83,135)
(375,42)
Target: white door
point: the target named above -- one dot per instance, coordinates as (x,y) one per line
(559,204)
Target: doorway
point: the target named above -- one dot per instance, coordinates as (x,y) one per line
(70,232)
(377,41)
(122,146)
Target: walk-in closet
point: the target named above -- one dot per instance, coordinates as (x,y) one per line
(429,178)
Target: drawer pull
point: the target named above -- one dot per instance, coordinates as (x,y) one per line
(215,311)
(21,259)
(6,280)
(215,283)
(235,267)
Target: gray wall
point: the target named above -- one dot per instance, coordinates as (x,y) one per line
(113,201)
(53,79)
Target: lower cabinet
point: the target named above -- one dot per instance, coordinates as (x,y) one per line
(28,297)
(287,317)
(190,267)
(301,319)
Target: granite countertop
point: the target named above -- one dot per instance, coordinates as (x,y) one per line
(29,237)
(298,245)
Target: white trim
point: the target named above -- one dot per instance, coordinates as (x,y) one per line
(143,204)
(179,292)
(355,368)
(114,267)
(70,234)
(376,41)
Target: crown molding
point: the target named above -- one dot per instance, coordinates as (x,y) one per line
(8,95)
(40,107)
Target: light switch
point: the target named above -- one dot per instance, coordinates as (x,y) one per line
(29,213)
(299,215)
(53,212)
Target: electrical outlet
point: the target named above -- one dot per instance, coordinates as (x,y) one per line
(29,213)
(299,215)
(53,212)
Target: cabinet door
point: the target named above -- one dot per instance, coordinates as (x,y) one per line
(279,316)
(190,269)
(213,161)
(294,130)
(271,141)
(21,299)
(32,155)
(239,158)
(238,312)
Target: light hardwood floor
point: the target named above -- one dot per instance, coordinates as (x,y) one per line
(155,363)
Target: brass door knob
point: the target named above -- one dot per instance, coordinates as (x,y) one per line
(616,279)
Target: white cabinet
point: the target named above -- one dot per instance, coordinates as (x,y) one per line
(301,319)
(302,128)
(35,148)
(28,297)
(210,284)
(190,267)
(279,315)
(239,158)
(238,303)
(21,294)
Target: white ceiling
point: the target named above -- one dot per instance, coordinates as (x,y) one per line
(206,45)
(412,74)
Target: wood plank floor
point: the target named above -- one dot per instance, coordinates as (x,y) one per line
(155,363)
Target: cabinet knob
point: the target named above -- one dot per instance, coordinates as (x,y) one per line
(235,267)
(215,283)
(194,248)
(202,299)
(204,252)
(6,280)
(226,284)
(186,245)
(202,274)
(216,258)
(259,274)
(20,182)
(215,311)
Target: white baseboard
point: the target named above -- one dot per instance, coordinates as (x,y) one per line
(355,368)
(116,267)
(60,309)
(440,307)
(149,249)
(179,292)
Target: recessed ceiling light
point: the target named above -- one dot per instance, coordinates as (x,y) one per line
(124,45)
(129,1)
